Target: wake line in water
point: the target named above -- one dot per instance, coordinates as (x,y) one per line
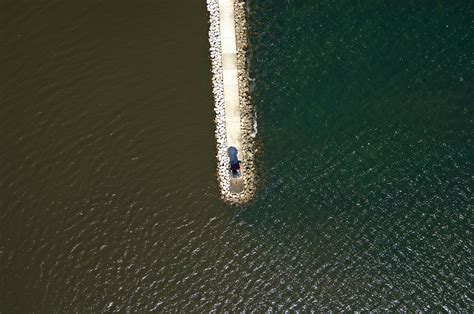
(254,129)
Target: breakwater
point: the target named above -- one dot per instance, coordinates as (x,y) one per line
(232,103)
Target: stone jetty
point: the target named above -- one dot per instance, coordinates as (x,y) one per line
(234,114)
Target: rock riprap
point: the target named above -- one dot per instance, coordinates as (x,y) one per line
(247,130)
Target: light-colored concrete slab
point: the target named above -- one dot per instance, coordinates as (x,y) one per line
(231,92)
(229,61)
(228,29)
(226,13)
(230,77)
(228,45)
(231,83)
(236,185)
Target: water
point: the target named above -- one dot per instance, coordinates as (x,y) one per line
(366,121)
(109,198)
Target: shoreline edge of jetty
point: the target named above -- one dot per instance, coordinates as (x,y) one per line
(232,103)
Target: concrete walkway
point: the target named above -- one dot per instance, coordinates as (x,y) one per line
(231,85)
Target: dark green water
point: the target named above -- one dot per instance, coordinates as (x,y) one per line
(108,194)
(366,118)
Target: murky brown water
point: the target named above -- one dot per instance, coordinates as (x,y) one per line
(107,142)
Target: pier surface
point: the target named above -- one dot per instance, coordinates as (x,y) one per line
(231,85)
